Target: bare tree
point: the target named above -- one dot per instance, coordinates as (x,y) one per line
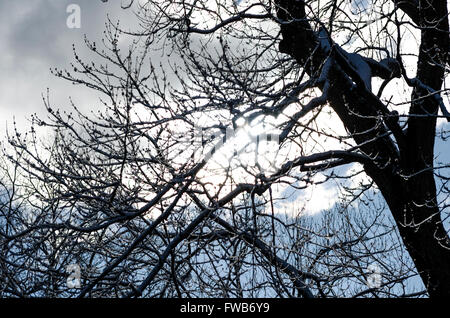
(217,119)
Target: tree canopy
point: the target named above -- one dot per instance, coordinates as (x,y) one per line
(256,148)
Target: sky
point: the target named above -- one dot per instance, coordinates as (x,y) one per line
(35,37)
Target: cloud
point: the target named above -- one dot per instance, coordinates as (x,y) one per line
(35,38)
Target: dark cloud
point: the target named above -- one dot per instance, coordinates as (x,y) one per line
(35,37)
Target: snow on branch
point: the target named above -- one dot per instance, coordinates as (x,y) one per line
(432,93)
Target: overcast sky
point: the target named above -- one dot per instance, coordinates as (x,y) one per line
(34,37)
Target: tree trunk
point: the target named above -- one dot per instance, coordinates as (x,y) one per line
(403,171)
(414,207)
(420,226)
